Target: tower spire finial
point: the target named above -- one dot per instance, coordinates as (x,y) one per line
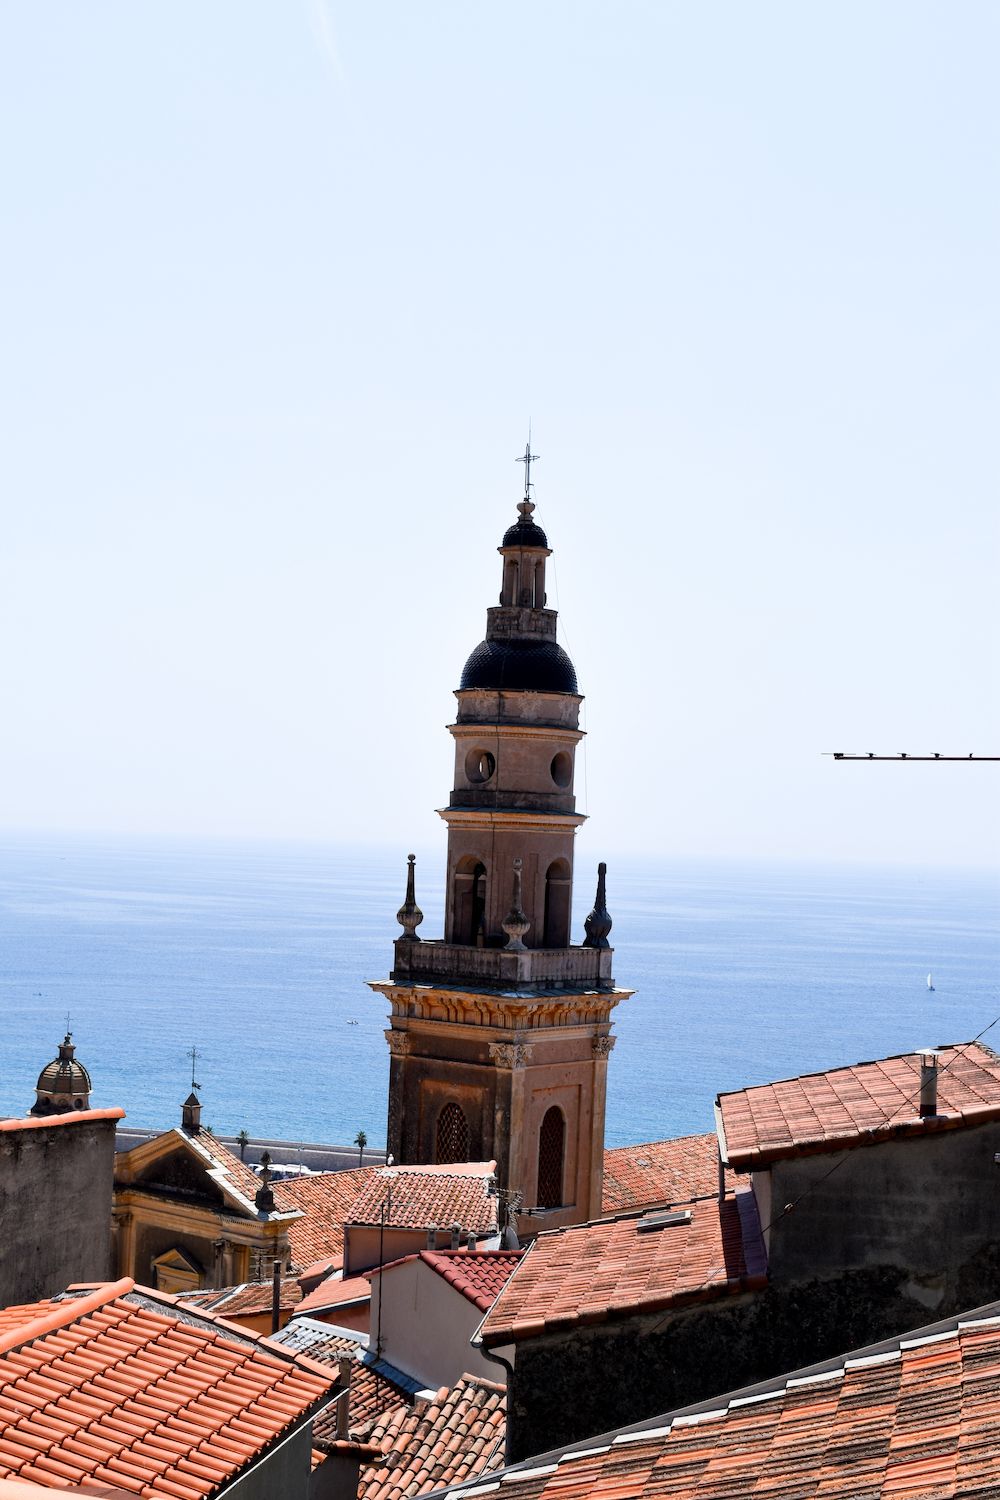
(409,915)
(527,458)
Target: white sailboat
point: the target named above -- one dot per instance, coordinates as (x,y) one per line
(930,982)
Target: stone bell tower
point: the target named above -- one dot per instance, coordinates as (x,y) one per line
(500,1032)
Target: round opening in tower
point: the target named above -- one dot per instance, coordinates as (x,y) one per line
(562,768)
(479,766)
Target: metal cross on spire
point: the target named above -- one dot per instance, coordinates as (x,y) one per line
(194,1055)
(527,458)
(68,1031)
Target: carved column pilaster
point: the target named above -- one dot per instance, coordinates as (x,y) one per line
(399,1049)
(510,1054)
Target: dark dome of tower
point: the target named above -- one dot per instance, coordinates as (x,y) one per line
(524,533)
(527,666)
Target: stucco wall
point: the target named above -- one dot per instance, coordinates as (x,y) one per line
(283,1474)
(426,1326)
(929,1205)
(901,1234)
(55,1206)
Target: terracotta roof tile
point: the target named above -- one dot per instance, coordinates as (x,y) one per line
(912,1421)
(324,1199)
(335,1292)
(457,1436)
(673,1171)
(244,1300)
(847,1107)
(618,1267)
(480,1275)
(140,1399)
(416,1198)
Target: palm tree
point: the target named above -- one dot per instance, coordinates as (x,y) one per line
(361,1141)
(243,1141)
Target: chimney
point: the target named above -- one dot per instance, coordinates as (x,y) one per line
(470,1243)
(432,1236)
(456,1236)
(264,1198)
(191,1114)
(344,1399)
(928,1083)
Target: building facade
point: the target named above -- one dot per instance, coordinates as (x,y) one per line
(500,1032)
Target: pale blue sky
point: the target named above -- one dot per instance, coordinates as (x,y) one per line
(284,283)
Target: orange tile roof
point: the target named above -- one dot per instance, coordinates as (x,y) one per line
(615,1268)
(71,1117)
(324,1199)
(415,1199)
(673,1171)
(373,1389)
(480,1275)
(240,1175)
(853,1106)
(914,1419)
(111,1386)
(250,1297)
(336,1291)
(457,1436)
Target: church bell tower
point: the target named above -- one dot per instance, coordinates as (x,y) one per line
(500,1033)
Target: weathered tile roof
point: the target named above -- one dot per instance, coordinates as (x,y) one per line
(376,1385)
(415,1199)
(238,1173)
(459,1435)
(617,1267)
(107,1386)
(673,1171)
(910,1419)
(325,1200)
(71,1117)
(480,1275)
(854,1106)
(244,1300)
(335,1292)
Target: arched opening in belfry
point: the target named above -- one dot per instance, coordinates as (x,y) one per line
(469,901)
(510,572)
(540,583)
(558,890)
(551,1155)
(452,1140)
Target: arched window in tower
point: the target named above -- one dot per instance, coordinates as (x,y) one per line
(558,888)
(540,583)
(510,572)
(551,1153)
(469,902)
(452,1144)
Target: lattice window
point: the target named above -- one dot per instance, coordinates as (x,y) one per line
(452,1135)
(551,1150)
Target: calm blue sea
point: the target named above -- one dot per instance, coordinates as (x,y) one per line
(257,955)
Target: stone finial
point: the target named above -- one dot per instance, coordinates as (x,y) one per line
(515,924)
(409,915)
(264,1198)
(598,923)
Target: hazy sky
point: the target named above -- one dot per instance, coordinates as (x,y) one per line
(283,284)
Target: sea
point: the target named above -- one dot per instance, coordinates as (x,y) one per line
(255,955)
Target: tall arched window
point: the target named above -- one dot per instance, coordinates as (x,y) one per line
(452,1135)
(469,901)
(551,1152)
(558,888)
